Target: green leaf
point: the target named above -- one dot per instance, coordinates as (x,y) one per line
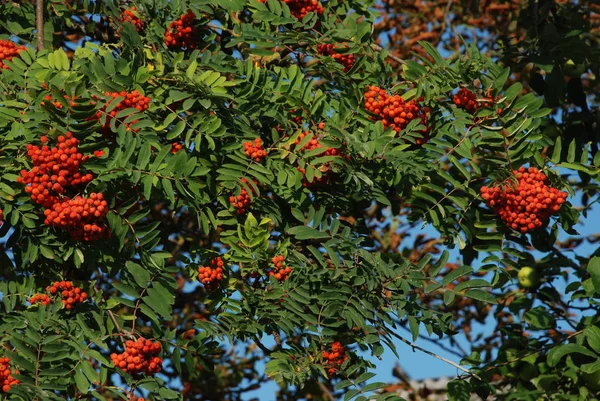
(592,333)
(158,306)
(572,150)
(168,189)
(457,273)
(475,283)
(539,318)
(558,352)
(343,384)
(413,324)
(140,275)
(500,80)
(594,269)
(482,296)
(304,232)
(556,153)
(127,290)
(449,296)
(81,381)
(433,52)
(373,386)
(459,390)
(177,130)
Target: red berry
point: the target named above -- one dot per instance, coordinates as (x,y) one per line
(526,205)
(40,298)
(211,276)
(278,271)
(254,150)
(54,170)
(242,202)
(176,147)
(183,32)
(467,100)
(325,168)
(300,8)
(6,378)
(145,352)
(130,100)
(347,60)
(334,358)
(8,51)
(130,15)
(395,112)
(70,295)
(82,217)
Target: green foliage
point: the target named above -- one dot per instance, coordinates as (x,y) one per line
(257,73)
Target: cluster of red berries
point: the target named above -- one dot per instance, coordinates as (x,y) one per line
(300,8)
(347,60)
(176,147)
(131,100)
(528,204)
(242,202)
(130,15)
(394,111)
(183,32)
(9,50)
(278,271)
(6,378)
(1,217)
(255,150)
(70,294)
(59,105)
(54,170)
(140,356)
(334,358)
(40,298)
(313,144)
(467,100)
(211,275)
(82,217)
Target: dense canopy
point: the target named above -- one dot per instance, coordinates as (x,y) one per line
(199,197)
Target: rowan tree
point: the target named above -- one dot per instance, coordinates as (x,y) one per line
(192,189)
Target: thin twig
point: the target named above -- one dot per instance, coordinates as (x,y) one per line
(378,48)
(433,354)
(445,348)
(39,24)
(119,329)
(326,392)
(534,352)
(260,345)
(445,22)
(37,365)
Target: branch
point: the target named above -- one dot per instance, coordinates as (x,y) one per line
(326,392)
(39,24)
(120,331)
(378,48)
(437,344)
(260,345)
(441,358)
(444,23)
(534,352)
